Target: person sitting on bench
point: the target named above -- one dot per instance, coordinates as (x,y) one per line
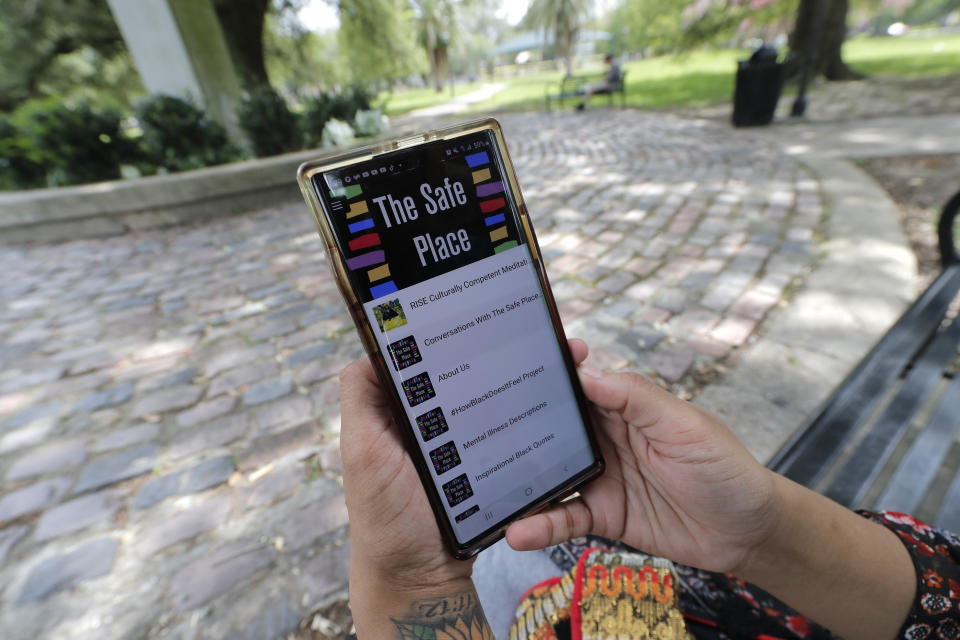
(611,82)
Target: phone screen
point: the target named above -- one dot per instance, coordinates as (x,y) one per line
(435,253)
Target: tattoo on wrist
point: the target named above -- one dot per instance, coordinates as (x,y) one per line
(455,617)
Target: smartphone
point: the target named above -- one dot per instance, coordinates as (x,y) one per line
(433,251)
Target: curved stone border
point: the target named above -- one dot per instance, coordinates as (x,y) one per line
(116,207)
(862,282)
(110,208)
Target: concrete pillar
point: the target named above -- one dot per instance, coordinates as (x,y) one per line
(179,50)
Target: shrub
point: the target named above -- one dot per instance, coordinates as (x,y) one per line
(362,97)
(20,167)
(270,125)
(370,123)
(326,106)
(76,143)
(336,133)
(316,114)
(178,136)
(346,104)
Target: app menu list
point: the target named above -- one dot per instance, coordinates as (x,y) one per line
(483,382)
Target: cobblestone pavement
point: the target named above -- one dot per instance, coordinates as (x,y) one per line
(168,400)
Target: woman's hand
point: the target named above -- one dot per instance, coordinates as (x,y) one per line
(393,530)
(403,581)
(678,483)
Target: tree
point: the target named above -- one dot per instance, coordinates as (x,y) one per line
(562,19)
(817,39)
(35,38)
(242,24)
(732,22)
(436,21)
(478,30)
(377,37)
(297,58)
(246,29)
(650,27)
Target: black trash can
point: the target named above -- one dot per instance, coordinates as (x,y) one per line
(759,82)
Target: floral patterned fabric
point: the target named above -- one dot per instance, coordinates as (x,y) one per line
(718,606)
(936,557)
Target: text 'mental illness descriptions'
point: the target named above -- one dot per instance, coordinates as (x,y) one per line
(492,431)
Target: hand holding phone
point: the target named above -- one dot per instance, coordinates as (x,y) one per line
(393,536)
(433,251)
(395,545)
(678,483)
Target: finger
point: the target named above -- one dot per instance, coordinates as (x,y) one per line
(635,397)
(569,520)
(579,349)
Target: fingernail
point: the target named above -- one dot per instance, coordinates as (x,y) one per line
(591,371)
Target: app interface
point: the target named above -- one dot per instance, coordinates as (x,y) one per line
(448,284)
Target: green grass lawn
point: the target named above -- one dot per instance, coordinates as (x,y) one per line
(703,77)
(904,56)
(398,102)
(665,81)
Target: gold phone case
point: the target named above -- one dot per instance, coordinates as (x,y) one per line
(305,175)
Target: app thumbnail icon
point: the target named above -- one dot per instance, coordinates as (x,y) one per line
(458,490)
(418,389)
(466,514)
(445,457)
(390,315)
(404,353)
(432,424)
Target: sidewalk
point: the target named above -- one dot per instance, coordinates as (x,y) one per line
(168,401)
(910,135)
(863,280)
(459,104)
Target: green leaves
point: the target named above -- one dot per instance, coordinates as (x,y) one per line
(178,136)
(378,38)
(270,125)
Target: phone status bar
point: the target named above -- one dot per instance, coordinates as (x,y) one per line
(455,150)
(339,178)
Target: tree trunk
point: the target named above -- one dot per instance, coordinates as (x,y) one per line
(817,40)
(568,62)
(564,44)
(242,24)
(439,66)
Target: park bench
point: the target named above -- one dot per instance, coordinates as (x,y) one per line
(887,436)
(576,87)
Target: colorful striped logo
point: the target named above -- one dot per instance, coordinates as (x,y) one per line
(497,222)
(375,262)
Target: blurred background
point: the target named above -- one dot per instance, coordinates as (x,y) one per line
(93,67)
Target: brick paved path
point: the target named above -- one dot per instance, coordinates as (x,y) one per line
(168,400)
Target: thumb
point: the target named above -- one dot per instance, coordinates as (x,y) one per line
(568,520)
(640,402)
